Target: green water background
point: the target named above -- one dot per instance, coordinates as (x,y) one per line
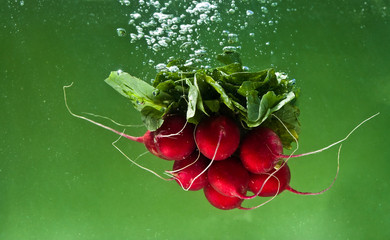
(60,177)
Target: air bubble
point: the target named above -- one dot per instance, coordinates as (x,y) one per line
(125,2)
(229,48)
(249,12)
(200,52)
(163,43)
(135,15)
(173,69)
(121,32)
(160,66)
(156,47)
(185,45)
(157,4)
(188,63)
(264,9)
(232,38)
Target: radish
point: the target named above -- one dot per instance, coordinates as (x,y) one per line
(220,201)
(188,172)
(260,150)
(229,177)
(172,141)
(265,186)
(217,137)
(276,181)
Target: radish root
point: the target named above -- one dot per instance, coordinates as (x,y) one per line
(113,121)
(208,166)
(287,157)
(137,139)
(289,188)
(325,148)
(135,163)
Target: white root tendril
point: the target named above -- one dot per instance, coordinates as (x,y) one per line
(135,163)
(178,170)
(269,200)
(181,130)
(211,162)
(91,121)
(204,170)
(276,170)
(113,130)
(173,134)
(113,121)
(305,154)
(331,145)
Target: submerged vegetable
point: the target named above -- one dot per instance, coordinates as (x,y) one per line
(225,127)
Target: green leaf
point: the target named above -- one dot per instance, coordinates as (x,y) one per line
(229,57)
(248,86)
(260,110)
(250,76)
(213,105)
(288,114)
(224,97)
(193,95)
(199,102)
(166,86)
(152,118)
(286,98)
(142,95)
(230,69)
(165,76)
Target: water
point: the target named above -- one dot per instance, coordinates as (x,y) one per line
(60,177)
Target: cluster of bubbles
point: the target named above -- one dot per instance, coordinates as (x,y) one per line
(191,29)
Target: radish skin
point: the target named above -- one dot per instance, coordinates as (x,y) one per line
(214,131)
(263,186)
(229,177)
(187,172)
(220,201)
(260,150)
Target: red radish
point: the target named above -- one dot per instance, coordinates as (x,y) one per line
(260,150)
(172,141)
(271,183)
(229,177)
(278,181)
(217,137)
(220,201)
(188,172)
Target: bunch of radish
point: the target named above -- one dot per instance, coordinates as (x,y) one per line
(223,128)
(213,157)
